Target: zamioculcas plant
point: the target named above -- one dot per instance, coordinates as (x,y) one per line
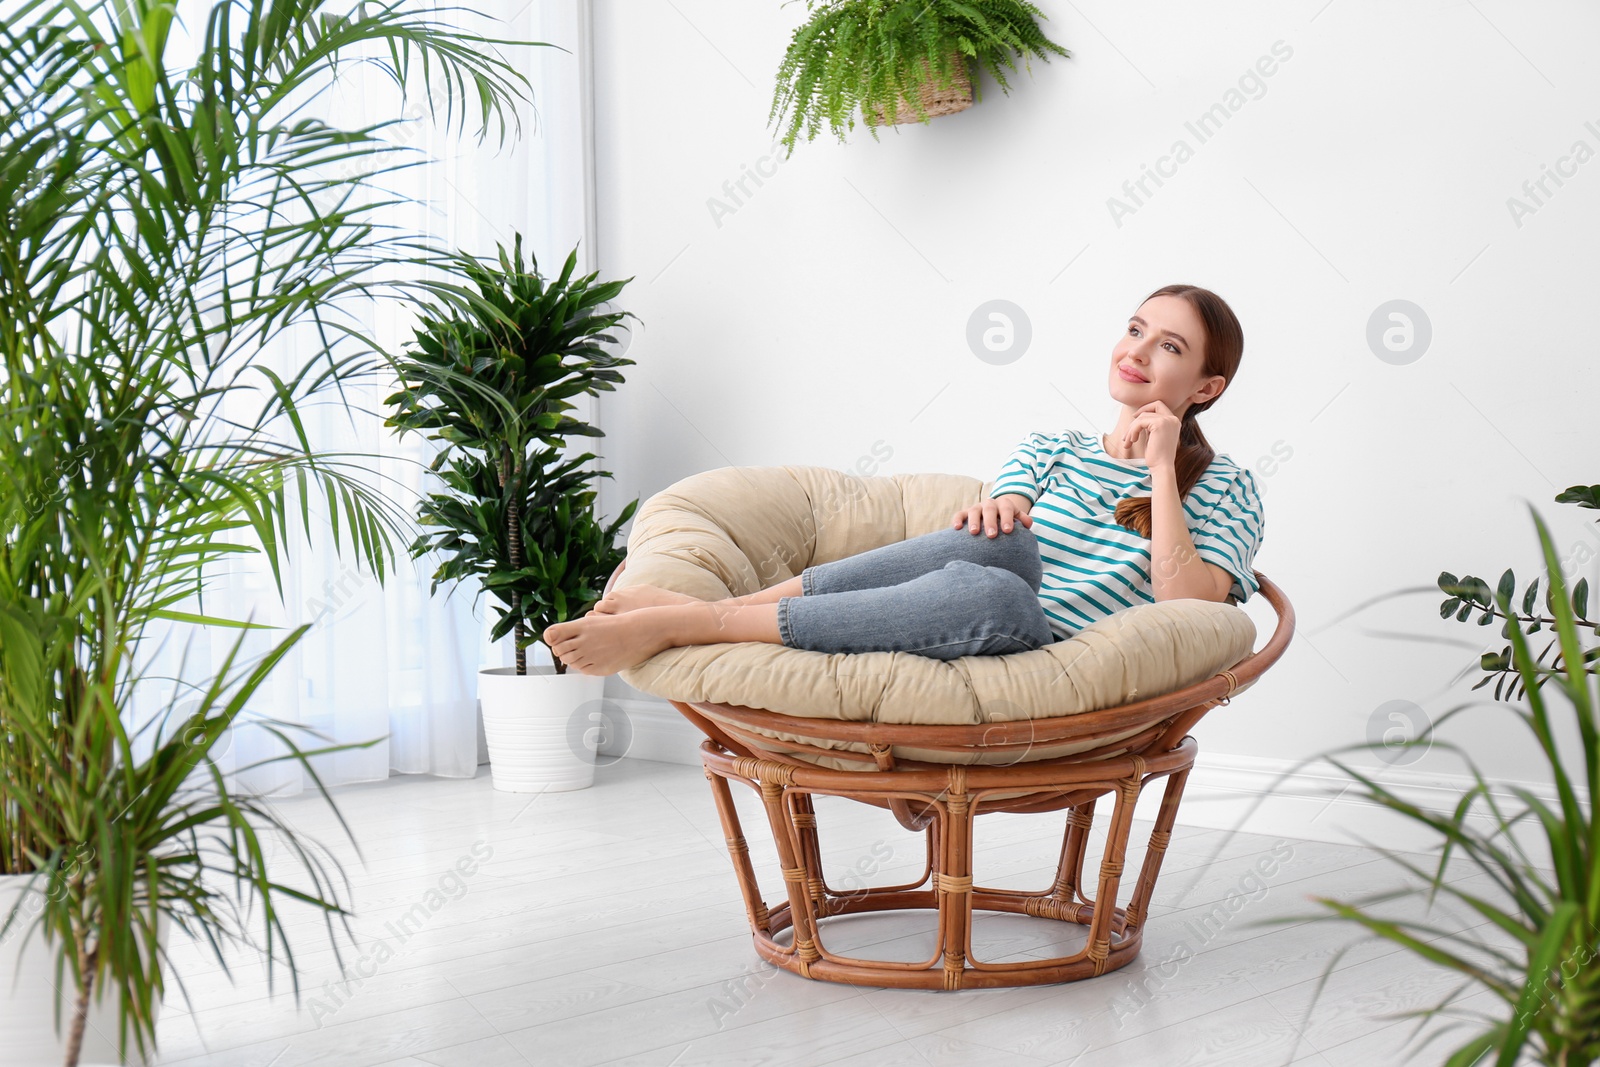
(1537,945)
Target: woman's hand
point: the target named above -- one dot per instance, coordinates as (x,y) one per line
(1160,429)
(1000,512)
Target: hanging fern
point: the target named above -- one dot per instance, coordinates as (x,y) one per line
(872,55)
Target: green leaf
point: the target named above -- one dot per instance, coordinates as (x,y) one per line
(168,220)
(1508,586)
(1543,963)
(864,57)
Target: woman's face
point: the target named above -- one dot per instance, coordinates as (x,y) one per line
(1164,343)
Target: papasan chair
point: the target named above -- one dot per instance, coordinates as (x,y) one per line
(936,742)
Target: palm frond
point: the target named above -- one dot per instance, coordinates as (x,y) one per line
(160,226)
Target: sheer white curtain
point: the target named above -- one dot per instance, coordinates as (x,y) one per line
(388,661)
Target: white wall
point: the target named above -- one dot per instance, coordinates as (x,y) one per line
(828,311)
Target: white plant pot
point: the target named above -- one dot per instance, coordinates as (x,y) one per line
(27,993)
(539,737)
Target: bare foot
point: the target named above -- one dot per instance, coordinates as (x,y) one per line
(633,597)
(607,643)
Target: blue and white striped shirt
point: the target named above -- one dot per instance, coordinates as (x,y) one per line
(1092,566)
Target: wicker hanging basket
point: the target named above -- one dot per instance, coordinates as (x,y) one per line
(936,99)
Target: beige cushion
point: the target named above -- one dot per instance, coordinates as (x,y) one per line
(736,530)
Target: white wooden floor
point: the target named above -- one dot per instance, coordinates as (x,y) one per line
(604,926)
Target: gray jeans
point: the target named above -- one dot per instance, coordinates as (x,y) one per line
(944,594)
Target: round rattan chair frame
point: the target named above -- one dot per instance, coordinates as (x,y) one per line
(943,800)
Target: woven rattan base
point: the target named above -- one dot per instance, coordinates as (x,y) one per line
(943,802)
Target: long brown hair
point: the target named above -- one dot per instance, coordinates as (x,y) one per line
(1224,345)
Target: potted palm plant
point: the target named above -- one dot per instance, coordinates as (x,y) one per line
(492,385)
(898,61)
(158,224)
(1539,939)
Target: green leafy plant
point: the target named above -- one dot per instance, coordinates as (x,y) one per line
(493,385)
(161,224)
(1468,594)
(873,55)
(1542,859)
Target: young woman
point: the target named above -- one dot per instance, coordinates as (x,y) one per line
(1078,526)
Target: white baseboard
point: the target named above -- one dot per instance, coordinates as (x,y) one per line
(1250,794)
(1320,802)
(657,732)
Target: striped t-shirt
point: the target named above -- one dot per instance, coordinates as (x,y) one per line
(1092,566)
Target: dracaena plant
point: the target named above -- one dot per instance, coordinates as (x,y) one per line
(493,385)
(160,223)
(1533,933)
(871,56)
